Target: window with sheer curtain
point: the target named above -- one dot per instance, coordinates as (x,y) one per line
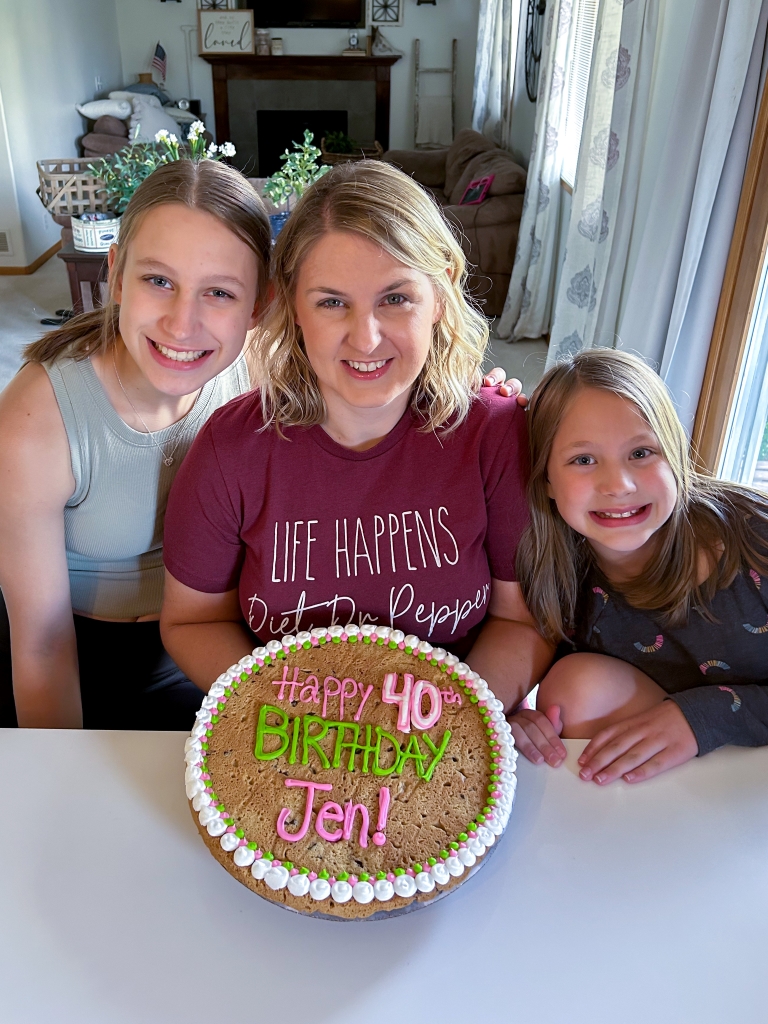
(584,22)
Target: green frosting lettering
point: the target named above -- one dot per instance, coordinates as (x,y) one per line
(313,740)
(294,739)
(437,752)
(263,729)
(377,769)
(412,751)
(341,728)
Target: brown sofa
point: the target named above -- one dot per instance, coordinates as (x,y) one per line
(488,230)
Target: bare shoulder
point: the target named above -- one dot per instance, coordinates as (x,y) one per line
(34,456)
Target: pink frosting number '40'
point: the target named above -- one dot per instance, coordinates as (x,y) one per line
(410,701)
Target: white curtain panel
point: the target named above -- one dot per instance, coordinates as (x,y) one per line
(605,192)
(528,305)
(495,69)
(671,301)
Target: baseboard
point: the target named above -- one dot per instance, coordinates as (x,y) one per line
(32,266)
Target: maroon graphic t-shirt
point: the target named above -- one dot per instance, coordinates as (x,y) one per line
(407,534)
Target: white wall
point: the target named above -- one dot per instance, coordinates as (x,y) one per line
(51,54)
(143,22)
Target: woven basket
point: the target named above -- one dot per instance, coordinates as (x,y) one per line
(374,152)
(68,188)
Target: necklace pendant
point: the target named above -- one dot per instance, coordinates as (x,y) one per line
(168,460)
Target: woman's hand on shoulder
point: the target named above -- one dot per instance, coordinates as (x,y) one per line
(512,388)
(639,747)
(537,735)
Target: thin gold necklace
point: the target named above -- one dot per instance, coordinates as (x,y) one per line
(167,457)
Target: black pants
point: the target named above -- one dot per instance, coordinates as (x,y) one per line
(127,678)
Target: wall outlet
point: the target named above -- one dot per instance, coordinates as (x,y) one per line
(98,83)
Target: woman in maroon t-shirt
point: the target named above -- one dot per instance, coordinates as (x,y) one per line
(370,480)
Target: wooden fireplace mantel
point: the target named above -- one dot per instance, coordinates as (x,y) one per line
(301,68)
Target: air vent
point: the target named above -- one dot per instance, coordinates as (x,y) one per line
(5,244)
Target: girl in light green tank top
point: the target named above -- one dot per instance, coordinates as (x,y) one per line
(95,426)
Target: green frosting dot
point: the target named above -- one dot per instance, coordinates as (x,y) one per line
(481,818)
(303,871)
(380,875)
(306,645)
(443,668)
(323,874)
(323,640)
(214,719)
(409,650)
(281,654)
(473,698)
(293,648)
(268,660)
(491,787)
(288,864)
(380,641)
(463,837)
(366,639)
(240,834)
(422,656)
(444,854)
(230,821)
(269,856)
(492,802)
(418,868)
(494,778)
(236,684)
(363,876)
(204,746)
(392,644)
(342,876)
(352,640)
(336,639)
(454,675)
(219,807)
(228,691)
(252,846)
(399,871)
(431,861)
(454,846)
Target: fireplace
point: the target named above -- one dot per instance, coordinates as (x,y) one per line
(303,86)
(277,130)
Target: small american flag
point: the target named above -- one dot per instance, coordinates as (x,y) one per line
(159,61)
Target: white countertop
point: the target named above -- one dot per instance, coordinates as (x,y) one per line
(626,905)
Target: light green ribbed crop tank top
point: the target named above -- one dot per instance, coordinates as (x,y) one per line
(113,523)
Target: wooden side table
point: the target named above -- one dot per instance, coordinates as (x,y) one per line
(87,277)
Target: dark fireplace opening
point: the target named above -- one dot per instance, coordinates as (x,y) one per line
(279,129)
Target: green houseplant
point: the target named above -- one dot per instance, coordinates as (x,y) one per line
(124,171)
(300,170)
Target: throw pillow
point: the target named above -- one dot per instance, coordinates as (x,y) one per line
(149,119)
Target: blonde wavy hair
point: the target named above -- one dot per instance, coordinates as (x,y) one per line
(380,203)
(711,517)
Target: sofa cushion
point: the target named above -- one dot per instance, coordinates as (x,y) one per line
(427,166)
(465,146)
(108,125)
(509,177)
(96,144)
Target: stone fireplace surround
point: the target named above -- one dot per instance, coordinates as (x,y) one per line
(245,84)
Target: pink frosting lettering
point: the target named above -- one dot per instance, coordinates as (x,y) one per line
(421,721)
(309,691)
(365,695)
(286,813)
(330,811)
(329,692)
(378,838)
(346,694)
(390,695)
(350,810)
(285,681)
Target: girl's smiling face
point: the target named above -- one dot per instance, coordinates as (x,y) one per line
(367,323)
(187,297)
(609,478)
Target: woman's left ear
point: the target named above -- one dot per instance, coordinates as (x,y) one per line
(254,316)
(116,286)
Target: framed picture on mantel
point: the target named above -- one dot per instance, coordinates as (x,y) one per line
(229,32)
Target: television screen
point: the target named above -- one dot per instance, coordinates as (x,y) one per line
(308,13)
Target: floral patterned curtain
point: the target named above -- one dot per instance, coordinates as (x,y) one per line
(495,69)
(528,306)
(607,174)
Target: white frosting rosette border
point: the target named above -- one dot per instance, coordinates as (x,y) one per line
(462,854)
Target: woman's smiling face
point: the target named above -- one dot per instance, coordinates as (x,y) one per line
(187,297)
(609,478)
(367,322)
